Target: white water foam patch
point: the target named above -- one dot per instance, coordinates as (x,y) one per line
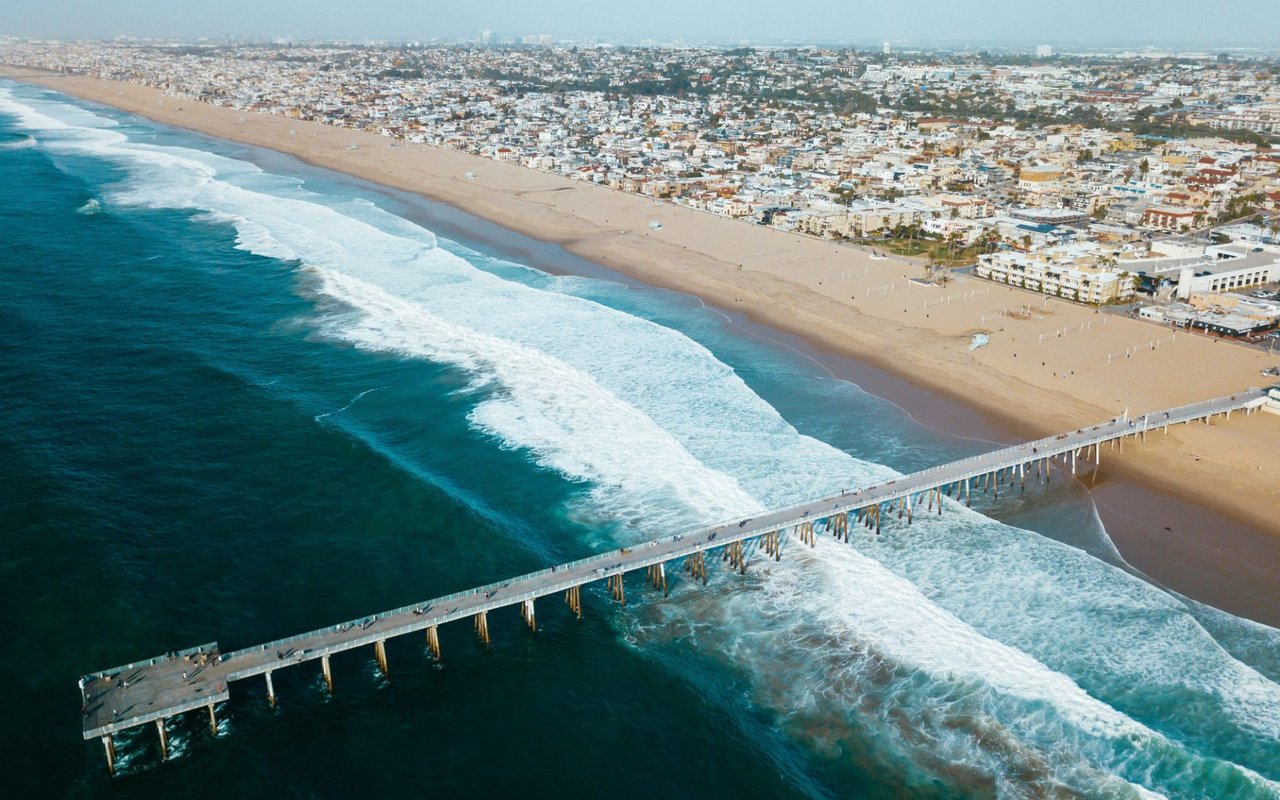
(21,144)
(1055,586)
(27,116)
(598,438)
(845,638)
(658,386)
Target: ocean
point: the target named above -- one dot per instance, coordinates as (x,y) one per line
(243,397)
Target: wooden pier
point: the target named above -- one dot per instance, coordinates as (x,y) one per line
(196,679)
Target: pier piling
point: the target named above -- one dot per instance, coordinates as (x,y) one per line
(110,746)
(527,614)
(617,589)
(573,598)
(164,740)
(380,652)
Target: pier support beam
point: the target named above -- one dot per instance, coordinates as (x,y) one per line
(657,577)
(271,689)
(482,627)
(617,589)
(696,565)
(773,542)
(380,651)
(328,674)
(573,598)
(164,740)
(110,746)
(736,557)
(527,614)
(433,641)
(213,722)
(839,525)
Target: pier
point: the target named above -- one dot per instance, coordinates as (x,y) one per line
(196,679)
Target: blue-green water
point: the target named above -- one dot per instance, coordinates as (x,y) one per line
(239,403)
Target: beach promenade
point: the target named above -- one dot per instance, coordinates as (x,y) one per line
(197,678)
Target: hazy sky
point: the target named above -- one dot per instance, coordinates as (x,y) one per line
(1127,21)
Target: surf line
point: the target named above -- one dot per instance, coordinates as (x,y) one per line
(354,400)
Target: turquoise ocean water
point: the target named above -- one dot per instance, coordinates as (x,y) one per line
(243,398)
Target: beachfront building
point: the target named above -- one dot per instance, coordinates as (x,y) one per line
(860,219)
(1232,322)
(1216,269)
(1077,273)
(1230,267)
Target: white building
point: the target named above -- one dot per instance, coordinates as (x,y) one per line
(1233,267)
(1074,273)
(1222,268)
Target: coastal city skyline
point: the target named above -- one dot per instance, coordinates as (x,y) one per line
(969,24)
(885,417)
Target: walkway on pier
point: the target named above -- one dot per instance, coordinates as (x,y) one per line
(153,690)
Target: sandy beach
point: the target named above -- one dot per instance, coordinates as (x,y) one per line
(1054,367)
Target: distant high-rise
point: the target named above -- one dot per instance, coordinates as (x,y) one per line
(887,49)
(487,38)
(1044,50)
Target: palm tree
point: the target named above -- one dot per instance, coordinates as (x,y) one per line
(953,240)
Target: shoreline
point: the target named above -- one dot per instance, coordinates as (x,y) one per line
(796,287)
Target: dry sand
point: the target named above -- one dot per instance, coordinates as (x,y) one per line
(835,296)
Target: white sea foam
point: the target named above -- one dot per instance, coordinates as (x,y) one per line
(21,144)
(952,623)
(91,206)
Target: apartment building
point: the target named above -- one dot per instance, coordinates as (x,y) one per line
(1074,273)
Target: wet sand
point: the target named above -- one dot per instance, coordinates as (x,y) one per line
(900,340)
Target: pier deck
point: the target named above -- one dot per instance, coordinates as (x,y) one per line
(152,690)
